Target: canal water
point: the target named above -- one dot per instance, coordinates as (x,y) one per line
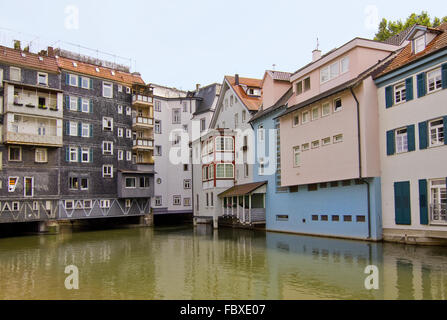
(187,263)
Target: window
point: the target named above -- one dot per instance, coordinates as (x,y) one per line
(187,202)
(107,124)
(236,120)
(185,167)
(315,144)
(85,83)
(73,154)
(107,171)
(224,171)
(158,151)
(107,90)
(246,170)
(344,65)
(42,79)
(261,166)
(158,126)
(85,155)
(120,88)
(128,111)
(176,116)
(212,199)
(107,147)
(338,138)
(337,105)
(326,141)
(15,74)
(84,183)
(244,115)
(296,119)
(127,90)
(224,144)
(85,130)
(104,204)
(128,203)
(120,132)
(438,200)
(296,157)
(419,44)
(185,127)
(315,113)
(69,204)
(186,184)
(41,155)
(185,106)
(120,155)
(73,80)
(120,109)
(128,155)
(282,218)
(87,204)
(434,80)
(177,200)
(145,182)
(28,186)
(305,147)
(436,129)
(85,107)
(306,84)
(15,153)
(400,93)
(131,183)
(158,201)
(334,70)
(73,104)
(73,183)
(326,109)
(73,129)
(261,133)
(157,106)
(305,117)
(401,140)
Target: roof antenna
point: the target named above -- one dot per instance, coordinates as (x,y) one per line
(318,44)
(274,67)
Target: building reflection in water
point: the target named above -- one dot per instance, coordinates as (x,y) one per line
(201,263)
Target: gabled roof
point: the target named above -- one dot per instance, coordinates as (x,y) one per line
(207,96)
(406,56)
(279,75)
(243,189)
(105,73)
(28,60)
(251,103)
(282,102)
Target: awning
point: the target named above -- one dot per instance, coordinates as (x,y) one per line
(242,190)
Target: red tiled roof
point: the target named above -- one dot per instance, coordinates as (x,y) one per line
(252,103)
(106,73)
(28,60)
(406,56)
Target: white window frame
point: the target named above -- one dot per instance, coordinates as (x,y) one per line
(342,70)
(105,124)
(76,79)
(225,171)
(296,152)
(129,133)
(42,151)
(104,204)
(437,188)
(87,204)
(315,144)
(225,145)
(73,151)
(19,76)
(120,132)
(436,76)
(326,141)
(419,44)
(401,138)
(177,200)
(85,128)
(128,155)
(69,207)
(305,147)
(338,138)
(107,171)
(83,152)
(107,86)
(158,201)
(80,184)
(107,148)
(327,106)
(73,131)
(128,111)
(120,155)
(313,113)
(85,103)
(295,116)
(134,179)
(340,108)
(400,93)
(44,75)
(187,184)
(20,153)
(74,101)
(120,109)
(304,115)
(439,128)
(82,82)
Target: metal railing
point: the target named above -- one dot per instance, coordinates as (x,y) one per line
(143,143)
(438,213)
(143,120)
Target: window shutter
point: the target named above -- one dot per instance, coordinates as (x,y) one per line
(402,205)
(423,136)
(91,130)
(445,129)
(91,106)
(67,128)
(390,144)
(67,79)
(91,83)
(422,90)
(79,104)
(79,155)
(80,82)
(67,154)
(389,96)
(423,202)
(409,88)
(90,158)
(444,76)
(67,102)
(79,129)
(411,139)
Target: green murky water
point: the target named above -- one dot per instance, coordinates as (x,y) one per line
(187,263)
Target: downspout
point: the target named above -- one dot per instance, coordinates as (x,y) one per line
(360,162)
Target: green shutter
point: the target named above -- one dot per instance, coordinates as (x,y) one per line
(80,82)
(389,96)
(67,102)
(444,76)
(422,87)
(423,202)
(445,129)
(67,128)
(411,138)
(91,83)
(79,155)
(67,154)
(91,106)
(90,155)
(79,104)
(79,129)
(423,135)
(67,79)
(402,205)
(91,130)
(390,143)
(409,88)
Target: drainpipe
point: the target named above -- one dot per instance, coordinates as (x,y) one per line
(360,161)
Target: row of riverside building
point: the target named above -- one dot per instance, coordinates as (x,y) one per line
(351,145)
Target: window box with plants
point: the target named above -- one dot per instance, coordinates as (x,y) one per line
(42,106)
(29,105)
(54,108)
(17,101)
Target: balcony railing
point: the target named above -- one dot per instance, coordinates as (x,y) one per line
(138,98)
(143,121)
(33,139)
(143,143)
(438,213)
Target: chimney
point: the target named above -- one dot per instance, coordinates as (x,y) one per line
(197,87)
(50,51)
(17,45)
(316,54)
(236,79)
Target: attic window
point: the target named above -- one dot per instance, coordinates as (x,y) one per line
(97,69)
(75,64)
(419,44)
(113,73)
(40,58)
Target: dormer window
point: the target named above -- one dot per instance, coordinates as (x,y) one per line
(419,44)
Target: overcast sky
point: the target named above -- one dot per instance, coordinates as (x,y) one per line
(180,43)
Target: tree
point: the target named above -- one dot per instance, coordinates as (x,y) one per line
(387,29)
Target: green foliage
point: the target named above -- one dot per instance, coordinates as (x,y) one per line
(387,29)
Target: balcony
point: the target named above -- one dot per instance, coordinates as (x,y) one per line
(143,122)
(143,144)
(144,157)
(142,100)
(32,139)
(438,214)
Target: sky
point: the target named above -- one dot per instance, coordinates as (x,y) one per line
(180,43)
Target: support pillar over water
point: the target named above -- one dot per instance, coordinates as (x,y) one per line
(48,227)
(147,220)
